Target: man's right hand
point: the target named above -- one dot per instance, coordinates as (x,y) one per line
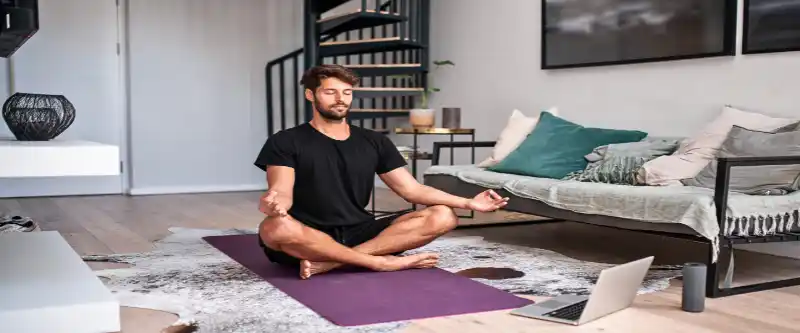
(271,206)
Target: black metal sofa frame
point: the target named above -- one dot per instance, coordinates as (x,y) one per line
(726,243)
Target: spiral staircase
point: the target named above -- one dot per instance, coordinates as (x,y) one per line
(384,41)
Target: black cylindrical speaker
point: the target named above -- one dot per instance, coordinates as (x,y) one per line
(694,287)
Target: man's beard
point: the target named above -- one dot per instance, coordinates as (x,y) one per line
(329,113)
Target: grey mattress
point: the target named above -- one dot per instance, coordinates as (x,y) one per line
(675,209)
(453,185)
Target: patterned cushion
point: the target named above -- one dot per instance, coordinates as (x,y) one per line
(619,163)
(613,170)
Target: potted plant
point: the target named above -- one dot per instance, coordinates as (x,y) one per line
(423,116)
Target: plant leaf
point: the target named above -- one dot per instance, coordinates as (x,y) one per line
(435,89)
(443,63)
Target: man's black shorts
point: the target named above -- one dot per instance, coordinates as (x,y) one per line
(349,236)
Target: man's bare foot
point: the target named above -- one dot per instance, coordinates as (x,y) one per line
(389,263)
(395,263)
(309,268)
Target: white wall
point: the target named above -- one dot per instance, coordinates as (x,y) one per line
(195,74)
(496,48)
(73,54)
(497,51)
(197,88)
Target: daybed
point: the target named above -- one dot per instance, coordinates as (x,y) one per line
(720,214)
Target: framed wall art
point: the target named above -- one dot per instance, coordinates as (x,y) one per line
(581,33)
(771,26)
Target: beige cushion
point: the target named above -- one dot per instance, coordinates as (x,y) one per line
(694,153)
(518,127)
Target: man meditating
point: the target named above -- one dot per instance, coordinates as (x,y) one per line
(321,176)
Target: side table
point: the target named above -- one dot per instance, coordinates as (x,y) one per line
(421,155)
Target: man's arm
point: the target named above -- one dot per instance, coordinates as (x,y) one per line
(404,184)
(280,180)
(278,158)
(391,169)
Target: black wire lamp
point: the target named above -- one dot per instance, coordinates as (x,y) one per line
(38,117)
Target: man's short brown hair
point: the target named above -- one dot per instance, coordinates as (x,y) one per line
(313,77)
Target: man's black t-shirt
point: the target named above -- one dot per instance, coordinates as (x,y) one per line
(333,178)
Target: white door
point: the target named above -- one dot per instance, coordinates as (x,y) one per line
(74,54)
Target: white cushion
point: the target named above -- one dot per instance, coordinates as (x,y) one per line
(518,127)
(695,152)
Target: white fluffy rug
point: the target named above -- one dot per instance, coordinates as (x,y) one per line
(188,277)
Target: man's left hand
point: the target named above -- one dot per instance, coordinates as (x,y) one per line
(487,201)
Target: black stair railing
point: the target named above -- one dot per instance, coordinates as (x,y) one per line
(285,102)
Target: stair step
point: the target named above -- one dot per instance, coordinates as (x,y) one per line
(336,24)
(377,113)
(356,46)
(377,92)
(326,5)
(385,69)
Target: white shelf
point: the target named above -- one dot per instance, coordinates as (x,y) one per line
(57,158)
(46,287)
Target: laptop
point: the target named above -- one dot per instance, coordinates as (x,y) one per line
(615,290)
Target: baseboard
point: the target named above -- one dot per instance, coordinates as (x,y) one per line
(60,186)
(196,189)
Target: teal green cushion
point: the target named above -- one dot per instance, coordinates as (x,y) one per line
(556,147)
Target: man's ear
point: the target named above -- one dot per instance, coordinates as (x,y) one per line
(309,95)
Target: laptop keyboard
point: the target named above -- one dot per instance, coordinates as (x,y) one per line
(572,312)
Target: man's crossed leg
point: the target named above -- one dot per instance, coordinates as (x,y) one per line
(318,252)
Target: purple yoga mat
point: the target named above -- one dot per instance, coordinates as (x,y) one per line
(352,296)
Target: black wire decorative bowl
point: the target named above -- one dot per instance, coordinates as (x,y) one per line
(38,117)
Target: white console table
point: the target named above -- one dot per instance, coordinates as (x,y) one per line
(44,284)
(56,158)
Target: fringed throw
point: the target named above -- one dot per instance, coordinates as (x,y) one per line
(762,224)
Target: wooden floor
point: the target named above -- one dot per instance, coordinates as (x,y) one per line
(115,224)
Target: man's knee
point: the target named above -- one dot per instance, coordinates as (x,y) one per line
(279,231)
(441,219)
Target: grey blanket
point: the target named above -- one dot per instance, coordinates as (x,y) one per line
(687,205)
